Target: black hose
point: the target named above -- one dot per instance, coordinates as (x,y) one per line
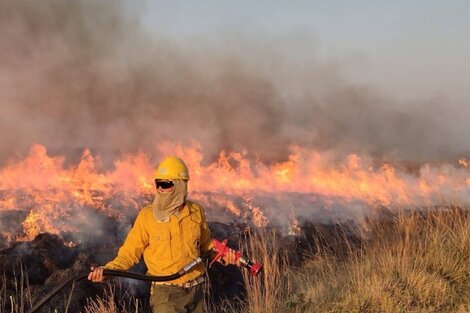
(115,273)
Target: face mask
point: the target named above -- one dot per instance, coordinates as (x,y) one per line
(167,203)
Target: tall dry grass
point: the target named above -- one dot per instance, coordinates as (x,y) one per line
(110,302)
(269,290)
(412,263)
(15,295)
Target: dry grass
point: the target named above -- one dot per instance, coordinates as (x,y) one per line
(20,298)
(115,300)
(103,304)
(267,292)
(417,263)
(410,263)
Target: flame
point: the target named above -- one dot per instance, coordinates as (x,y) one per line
(51,193)
(464,162)
(294,226)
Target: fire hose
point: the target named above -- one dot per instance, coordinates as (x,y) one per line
(115,273)
(220,248)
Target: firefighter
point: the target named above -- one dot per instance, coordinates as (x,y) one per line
(168,233)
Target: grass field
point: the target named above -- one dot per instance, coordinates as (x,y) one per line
(414,262)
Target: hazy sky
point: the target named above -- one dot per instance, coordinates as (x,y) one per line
(383,78)
(415,49)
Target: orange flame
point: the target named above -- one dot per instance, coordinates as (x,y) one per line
(48,191)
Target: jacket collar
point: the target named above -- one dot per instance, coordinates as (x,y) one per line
(185,211)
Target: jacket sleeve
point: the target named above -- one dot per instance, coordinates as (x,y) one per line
(133,248)
(206,240)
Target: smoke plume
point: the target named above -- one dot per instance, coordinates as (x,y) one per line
(87,74)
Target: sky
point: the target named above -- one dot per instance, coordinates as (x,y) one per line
(389,79)
(415,49)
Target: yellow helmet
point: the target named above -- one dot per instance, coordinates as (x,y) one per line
(172,168)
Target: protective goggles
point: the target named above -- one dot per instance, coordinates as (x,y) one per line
(164,184)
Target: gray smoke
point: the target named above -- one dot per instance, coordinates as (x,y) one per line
(86,74)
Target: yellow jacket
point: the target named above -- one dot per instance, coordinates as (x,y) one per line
(166,246)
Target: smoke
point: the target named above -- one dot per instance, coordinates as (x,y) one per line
(86,74)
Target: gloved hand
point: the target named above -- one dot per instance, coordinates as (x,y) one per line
(230,258)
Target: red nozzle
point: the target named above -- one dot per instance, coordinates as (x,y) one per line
(255,269)
(221,249)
